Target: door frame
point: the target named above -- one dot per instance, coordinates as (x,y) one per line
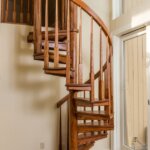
(118,87)
(124,38)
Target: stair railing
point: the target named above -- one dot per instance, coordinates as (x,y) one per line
(57,28)
(16,15)
(104,34)
(37,27)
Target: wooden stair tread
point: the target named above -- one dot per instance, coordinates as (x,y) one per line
(62,46)
(40,56)
(85,146)
(90,137)
(95,126)
(79,87)
(87,103)
(93,115)
(59,71)
(93,112)
(56,68)
(62,35)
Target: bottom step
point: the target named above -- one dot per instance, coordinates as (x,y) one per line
(95,127)
(90,137)
(79,87)
(86,146)
(60,71)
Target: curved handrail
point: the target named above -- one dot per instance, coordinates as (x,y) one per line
(99,21)
(96,18)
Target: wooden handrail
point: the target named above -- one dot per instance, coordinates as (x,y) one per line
(95,17)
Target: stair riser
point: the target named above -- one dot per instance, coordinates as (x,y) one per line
(61,46)
(79,88)
(92,117)
(60,73)
(88,104)
(62,59)
(92,139)
(94,128)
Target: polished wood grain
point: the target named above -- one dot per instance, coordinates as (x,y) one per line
(61,50)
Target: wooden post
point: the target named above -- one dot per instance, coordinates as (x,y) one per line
(2,11)
(21,11)
(68,45)
(28,11)
(7,10)
(56,50)
(14,12)
(73,124)
(80,67)
(46,47)
(91,63)
(101,69)
(60,132)
(37,27)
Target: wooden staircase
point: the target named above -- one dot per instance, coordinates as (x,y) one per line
(90,117)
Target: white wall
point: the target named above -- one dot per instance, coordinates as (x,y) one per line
(28,97)
(137,16)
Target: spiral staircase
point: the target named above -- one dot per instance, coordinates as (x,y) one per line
(90,117)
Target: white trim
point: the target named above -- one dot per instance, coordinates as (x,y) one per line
(148,78)
(116,75)
(122,86)
(117,42)
(116,8)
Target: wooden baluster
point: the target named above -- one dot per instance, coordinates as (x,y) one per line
(80,67)
(111,85)
(46,50)
(73,134)
(21,11)
(2,10)
(68,44)
(37,27)
(107,83)
(14,12)
(60,132)
(101,70)
(84,106)
(92,69)
(28,11)
(91,63)
(34,25)
(108,75)
(68,126)
(63,14)
(56,50)
(7,11)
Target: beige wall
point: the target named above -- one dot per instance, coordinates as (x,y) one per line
(136,14)
(28,97)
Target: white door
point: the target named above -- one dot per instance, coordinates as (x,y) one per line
(134,105)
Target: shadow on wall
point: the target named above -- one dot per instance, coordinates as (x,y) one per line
(39,92)
(30,76)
